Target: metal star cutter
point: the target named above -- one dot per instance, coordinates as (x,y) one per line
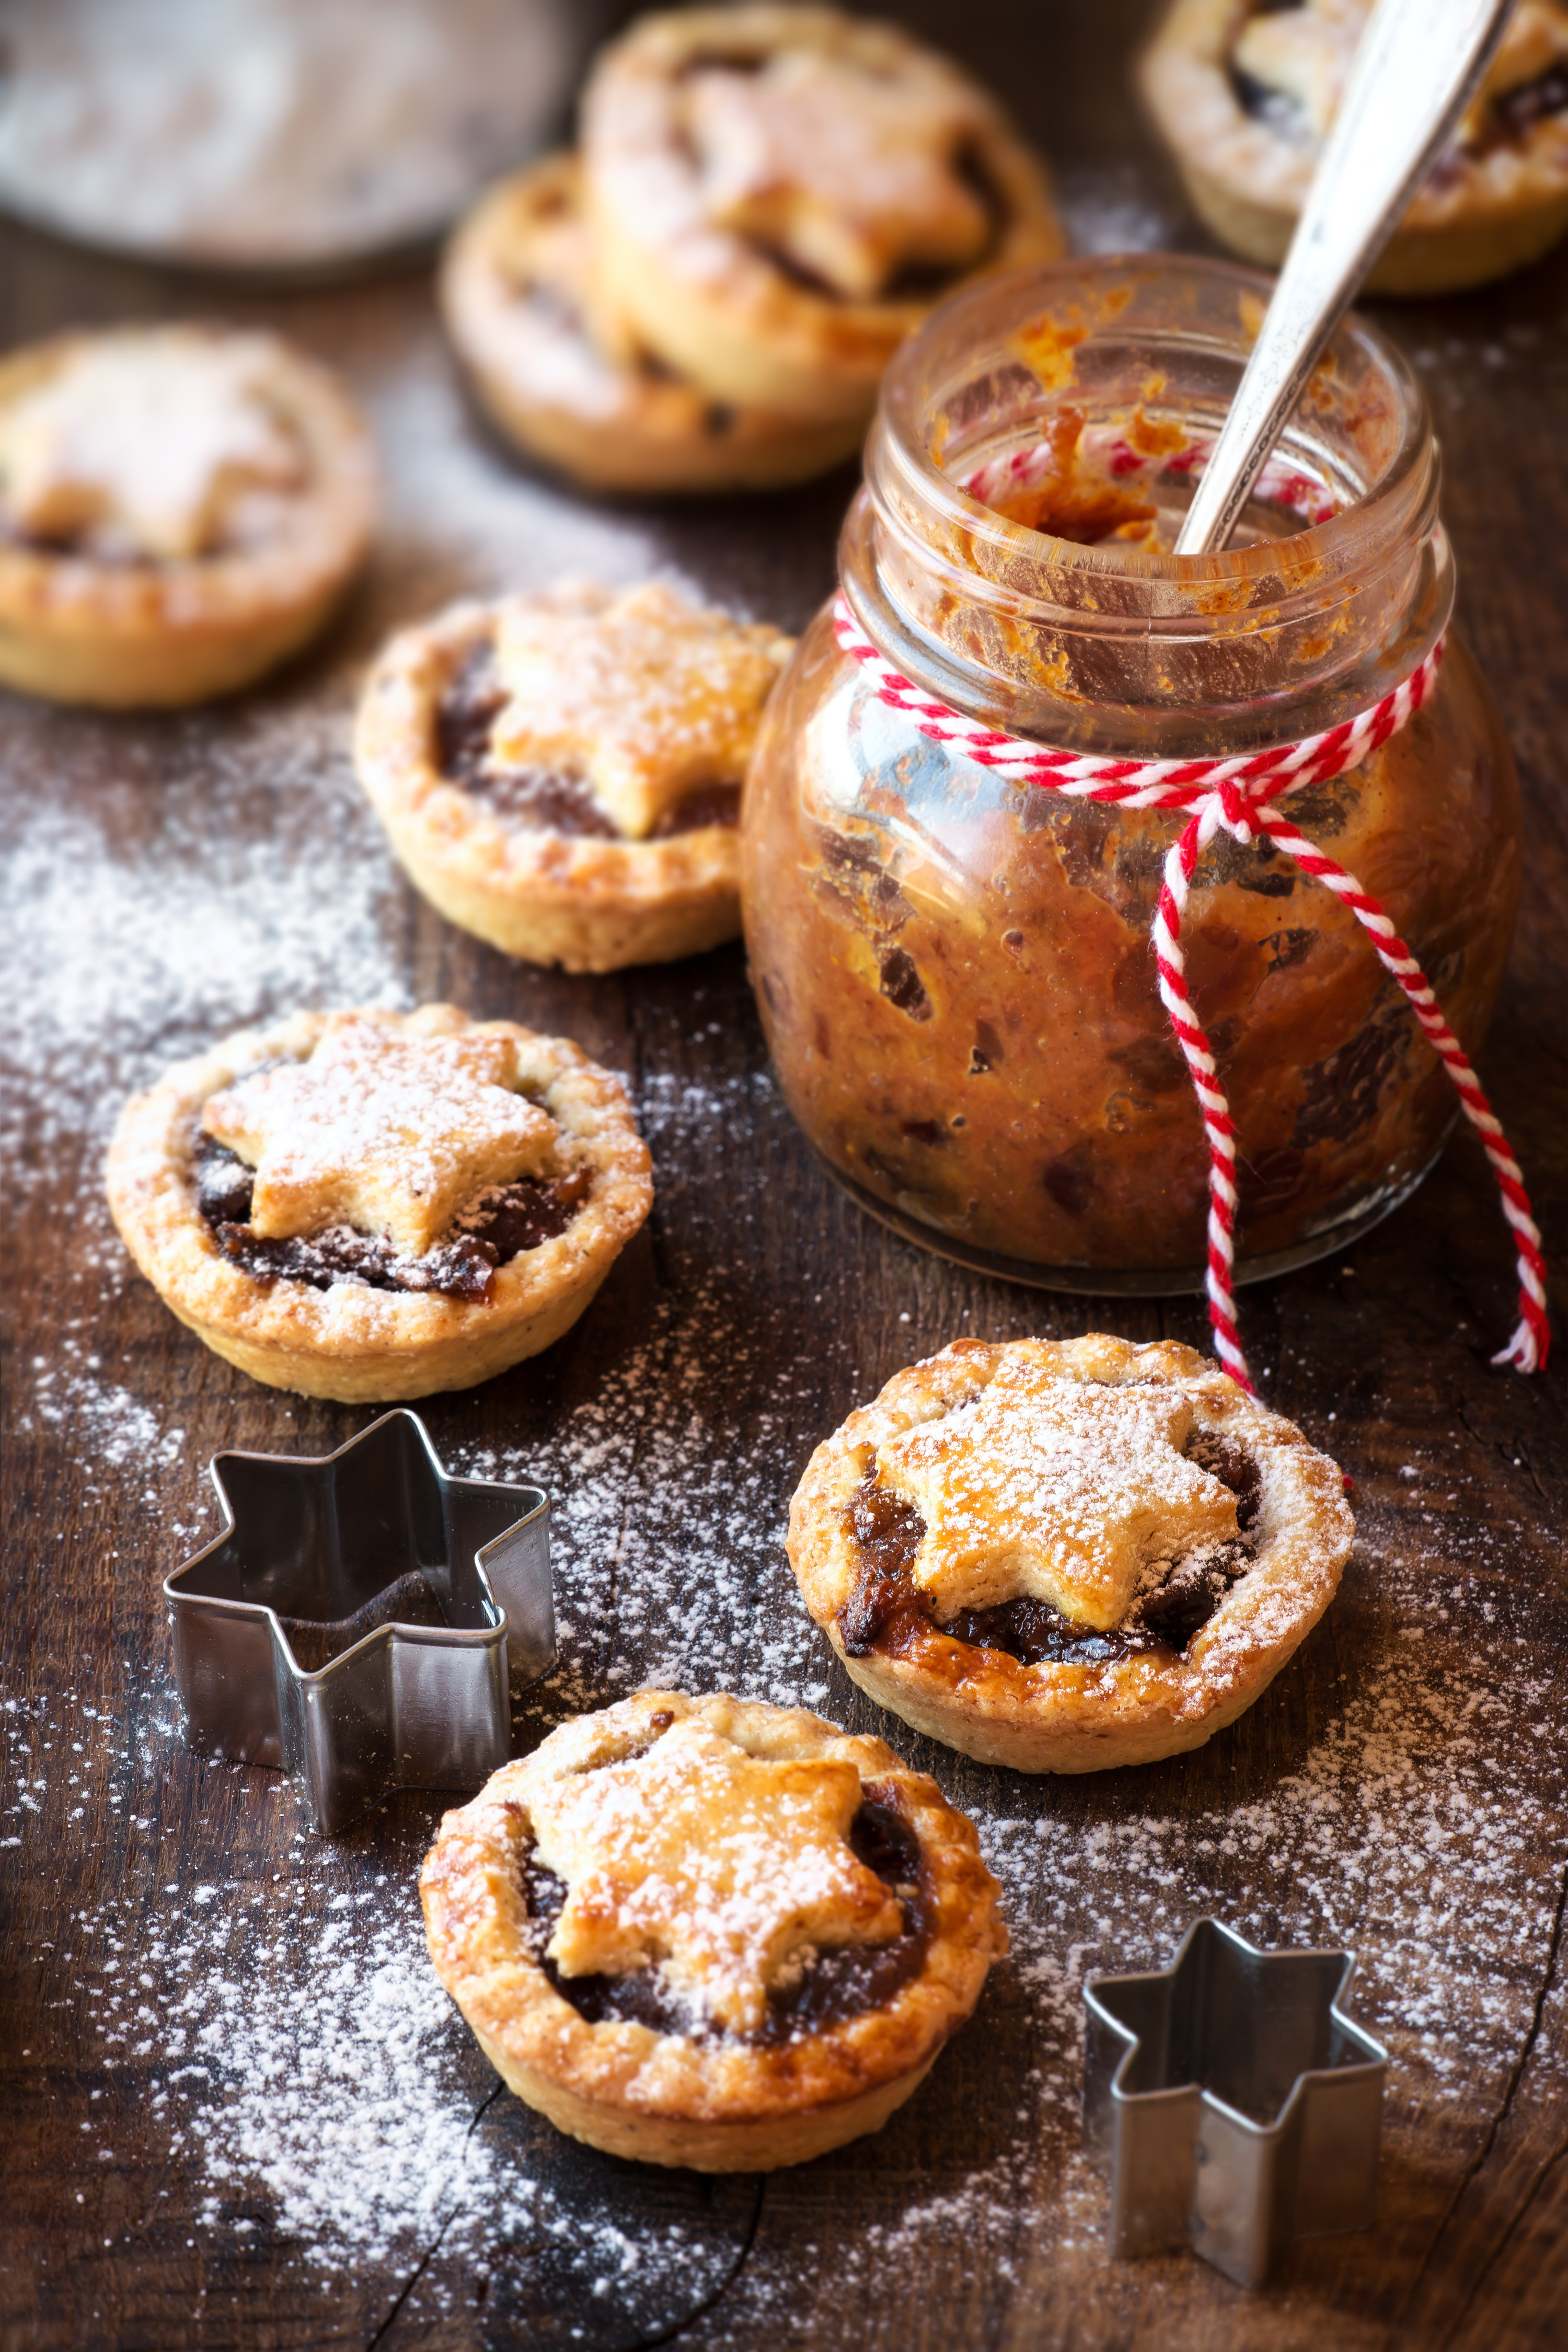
(354,1623)
(1233,2102)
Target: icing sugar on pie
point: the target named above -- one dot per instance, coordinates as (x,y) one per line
(708,1932)
(562,773)
(1052,1490)
(1245,95)
(377,1205)
(777,195)
(1068,1555)
(568,379)
(179,508)
(383,1131)
(722,1869)
(643,695)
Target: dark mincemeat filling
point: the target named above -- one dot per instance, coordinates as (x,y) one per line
(1259,103)
(542,800)
(832,1986)
(1518,111)
(885,1609)
(507,1220)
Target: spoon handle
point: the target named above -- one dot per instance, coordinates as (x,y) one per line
(1415,71)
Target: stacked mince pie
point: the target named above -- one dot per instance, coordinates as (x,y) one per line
(766,200)
(1244,91)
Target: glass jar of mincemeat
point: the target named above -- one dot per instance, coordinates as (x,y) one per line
(955,967)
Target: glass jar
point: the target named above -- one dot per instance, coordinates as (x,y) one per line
(955,969)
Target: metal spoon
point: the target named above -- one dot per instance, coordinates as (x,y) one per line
(1418,66)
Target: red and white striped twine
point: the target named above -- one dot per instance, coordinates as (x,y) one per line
(1232,797)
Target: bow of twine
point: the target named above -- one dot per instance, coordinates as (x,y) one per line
(1236,796)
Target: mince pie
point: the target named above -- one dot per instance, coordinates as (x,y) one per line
(180,508)
(561,773)
(1245,95)
(371,1205)
(1063,1555)
(777,195)
(570,384)
(709,1932)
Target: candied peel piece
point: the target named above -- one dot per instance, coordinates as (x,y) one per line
(383,1131)
(724,1868)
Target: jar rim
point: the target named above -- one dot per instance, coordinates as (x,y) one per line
(1390,504)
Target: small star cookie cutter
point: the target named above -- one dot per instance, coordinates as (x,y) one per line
(354,1623)
(1233,2102)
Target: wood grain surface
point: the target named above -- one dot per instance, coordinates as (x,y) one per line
(236,2110)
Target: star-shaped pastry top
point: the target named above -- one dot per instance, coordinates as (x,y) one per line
(1060,1490)
(722,1867)
(642,695)
(382,1131)
(852,174)
(149,438)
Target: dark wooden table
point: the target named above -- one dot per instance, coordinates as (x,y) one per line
(237,2109)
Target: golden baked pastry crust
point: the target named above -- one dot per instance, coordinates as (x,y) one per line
(519,308)
(1083,1717)
(1490,214)
(721,2104)
(587,904)
(128,634)
(352,1342)
(709,298)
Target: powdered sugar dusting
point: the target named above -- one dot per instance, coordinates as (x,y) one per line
(720,1866)
(261,2057)
(388,1130)
(147,931)
(310,2073)
(1065,1490)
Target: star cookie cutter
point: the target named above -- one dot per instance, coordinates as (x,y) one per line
(1233,2102)
(354,1622)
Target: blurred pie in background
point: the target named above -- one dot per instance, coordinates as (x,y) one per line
(1245,96)
(180,508)
(578,389)
(769,200)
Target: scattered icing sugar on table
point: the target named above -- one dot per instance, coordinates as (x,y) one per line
(314,2091)
(316,2084)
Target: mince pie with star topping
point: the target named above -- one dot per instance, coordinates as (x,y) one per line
(778,195)
(710,1932)
(561,773)
(180,508)
(1245,94)
(571,384)
(371,1205)
(1065,1555)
